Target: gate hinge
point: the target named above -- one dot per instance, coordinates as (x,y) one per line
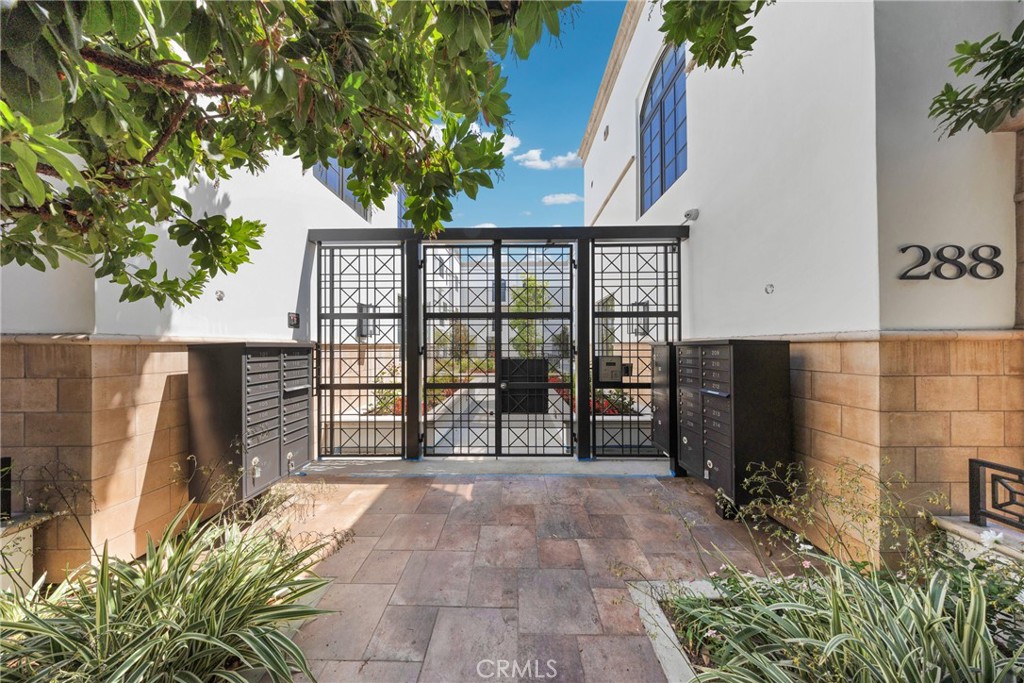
(422,263)
(423,350)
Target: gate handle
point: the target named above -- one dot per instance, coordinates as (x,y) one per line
(503,385)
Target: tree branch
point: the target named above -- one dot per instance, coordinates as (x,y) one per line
(172,128)
(72,217)
(146,73)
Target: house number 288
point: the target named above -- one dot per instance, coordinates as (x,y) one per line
(949,262)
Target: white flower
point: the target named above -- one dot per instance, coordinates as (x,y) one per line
(989,538)
(805,547)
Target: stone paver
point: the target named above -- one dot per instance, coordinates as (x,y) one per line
(402,634)
(506,546)
(468,644)
(557,601)
(448,577)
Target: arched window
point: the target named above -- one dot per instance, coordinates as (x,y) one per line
(663,128)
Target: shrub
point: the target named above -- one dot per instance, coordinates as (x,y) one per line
(203,605)
(935,615)
(837,623)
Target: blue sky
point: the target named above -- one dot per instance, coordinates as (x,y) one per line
(552,93)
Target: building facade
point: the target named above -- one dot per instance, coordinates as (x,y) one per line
(95,390)
(832,214)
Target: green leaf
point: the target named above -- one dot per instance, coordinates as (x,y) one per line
(98,18)
(25,162)
(125,19)
(30,83)
(176,16)
(19,27)
(198,40)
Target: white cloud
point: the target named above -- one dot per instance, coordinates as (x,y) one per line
(485,225)
(561,198)
(556,225)
(527,213)
(534,159)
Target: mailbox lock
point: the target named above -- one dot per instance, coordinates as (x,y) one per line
(711,465)
(686,440)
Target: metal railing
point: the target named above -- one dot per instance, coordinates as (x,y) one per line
(996,493)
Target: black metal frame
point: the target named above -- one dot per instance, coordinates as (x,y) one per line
(488,399)
(1005,487)
(409,320)
(621,273)
(361,302)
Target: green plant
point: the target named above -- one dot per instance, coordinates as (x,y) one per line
(203,605)
(848,509)
(530,296)
(386,400)
(839,624)
(613,402)
(110,108)
(997,91)
(930,614)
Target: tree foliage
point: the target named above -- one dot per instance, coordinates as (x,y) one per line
(997,93)
(111,108)
(530,296)
(717,32)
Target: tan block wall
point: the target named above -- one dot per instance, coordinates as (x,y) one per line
(968,402)
(919,406)
(105,424)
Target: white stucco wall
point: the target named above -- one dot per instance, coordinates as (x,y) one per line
(780,164)
(256,299)
(934,192)
(56,301)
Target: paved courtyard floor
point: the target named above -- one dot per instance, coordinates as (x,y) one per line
(447,577)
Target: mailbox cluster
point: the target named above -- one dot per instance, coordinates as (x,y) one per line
(250,415)
(721,406)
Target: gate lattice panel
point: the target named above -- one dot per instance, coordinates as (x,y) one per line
(360,368)
(635,304)
(498,357)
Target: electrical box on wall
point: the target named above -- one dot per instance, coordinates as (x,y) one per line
(293,320)
(609,369)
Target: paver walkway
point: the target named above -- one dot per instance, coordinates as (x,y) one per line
(449,576)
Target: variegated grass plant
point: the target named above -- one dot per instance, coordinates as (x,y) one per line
(928,614)
(205,604)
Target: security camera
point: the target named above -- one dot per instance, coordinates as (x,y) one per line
(692,214)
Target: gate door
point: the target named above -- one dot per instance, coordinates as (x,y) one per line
(635,304)
(360,371)
(498,350)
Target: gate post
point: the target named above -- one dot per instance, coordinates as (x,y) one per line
(412,313)
(584,327)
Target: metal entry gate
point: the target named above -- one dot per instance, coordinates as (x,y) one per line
(360,369)
(636,292)
(498,338)
(495,342)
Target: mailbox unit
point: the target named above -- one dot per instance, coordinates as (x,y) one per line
(731,408)
(664,406)
(250,415)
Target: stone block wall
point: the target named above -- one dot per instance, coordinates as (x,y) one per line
(917,404)
(102,426)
